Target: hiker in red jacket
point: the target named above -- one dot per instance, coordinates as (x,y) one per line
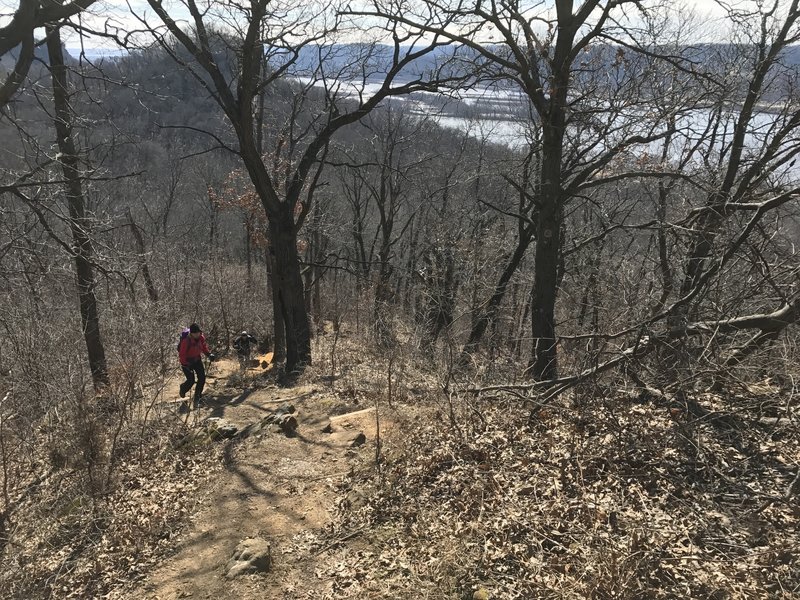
(190,352)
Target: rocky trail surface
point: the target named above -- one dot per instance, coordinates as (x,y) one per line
(287,450)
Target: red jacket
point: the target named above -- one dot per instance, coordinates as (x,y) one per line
(192,350)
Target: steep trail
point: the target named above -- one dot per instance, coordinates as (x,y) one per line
(271,486)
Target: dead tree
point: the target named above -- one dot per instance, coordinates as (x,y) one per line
(19,33)
(79,221)
(547,65)
(267,33)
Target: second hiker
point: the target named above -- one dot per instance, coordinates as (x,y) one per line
(243,344)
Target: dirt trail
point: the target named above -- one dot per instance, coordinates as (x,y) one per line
(271,486)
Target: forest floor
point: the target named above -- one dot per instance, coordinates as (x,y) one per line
(609,497)
(272,486)
(608,491)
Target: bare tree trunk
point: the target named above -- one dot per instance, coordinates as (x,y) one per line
(79,223)
(175,169)
(411,270)
(318,303)
(248,233)
(664,188)
(665,270)
(489,312)
(279,332)
(278,328)
(548,241)
(383,300)
(140,251)
(308,276)
(317,252)
(288,282)
(383,294)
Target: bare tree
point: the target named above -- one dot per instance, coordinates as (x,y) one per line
(79,222)
(748,160)
(19,33)
(545,54)
(136,231)
(525,216)
(263,31)
(383,177)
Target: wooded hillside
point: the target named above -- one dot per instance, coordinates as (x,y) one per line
(557,239)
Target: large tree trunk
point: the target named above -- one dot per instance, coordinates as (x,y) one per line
(279,331)
(288,283)
(278,328)
(79,224)
(287,279)
(550,200)
(548,241)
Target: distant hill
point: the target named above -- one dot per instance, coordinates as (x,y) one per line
(8,60)
(97,54)
(345,58)
(349,59)
(356,61)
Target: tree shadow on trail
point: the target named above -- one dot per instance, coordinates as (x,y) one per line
(219,402)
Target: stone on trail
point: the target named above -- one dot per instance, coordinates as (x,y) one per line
(348,429)
(252,555)
(220,429)
(350,439)
(284,420)
(286,423)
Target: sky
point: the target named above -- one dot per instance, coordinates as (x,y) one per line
(115,15)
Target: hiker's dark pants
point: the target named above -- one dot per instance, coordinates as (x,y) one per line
(198,368)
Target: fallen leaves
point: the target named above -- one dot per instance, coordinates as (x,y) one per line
(90,547)
(582,506)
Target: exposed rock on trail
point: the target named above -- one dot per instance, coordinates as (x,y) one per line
(253,555)
(278,485)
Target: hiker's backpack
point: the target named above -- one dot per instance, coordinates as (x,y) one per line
(184,334)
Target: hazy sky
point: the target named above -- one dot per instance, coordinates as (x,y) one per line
(113,14)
